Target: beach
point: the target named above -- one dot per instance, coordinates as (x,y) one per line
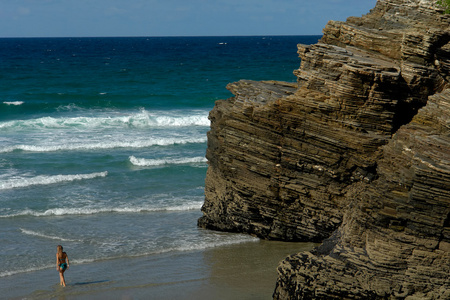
(240,271)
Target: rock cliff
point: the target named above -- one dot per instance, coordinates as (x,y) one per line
(356,154)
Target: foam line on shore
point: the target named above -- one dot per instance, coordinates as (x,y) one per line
(236,239)
(14,272)
(218,243)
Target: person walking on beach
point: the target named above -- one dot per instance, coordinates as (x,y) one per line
(62,264)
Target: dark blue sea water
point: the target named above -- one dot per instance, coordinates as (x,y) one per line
(102,145)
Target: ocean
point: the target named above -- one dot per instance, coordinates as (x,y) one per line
(102,150)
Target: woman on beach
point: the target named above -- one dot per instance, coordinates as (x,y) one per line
(62,264)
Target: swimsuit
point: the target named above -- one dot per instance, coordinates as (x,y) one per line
(62,260)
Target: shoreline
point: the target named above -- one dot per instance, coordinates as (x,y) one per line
(244,271)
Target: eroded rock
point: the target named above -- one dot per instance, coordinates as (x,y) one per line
(356,154)
(393,242)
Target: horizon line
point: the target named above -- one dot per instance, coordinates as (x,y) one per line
(152,36)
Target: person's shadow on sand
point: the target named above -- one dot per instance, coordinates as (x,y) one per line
(89,282)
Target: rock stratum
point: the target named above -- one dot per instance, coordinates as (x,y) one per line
(356,155)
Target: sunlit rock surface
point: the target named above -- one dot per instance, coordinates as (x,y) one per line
(356,154)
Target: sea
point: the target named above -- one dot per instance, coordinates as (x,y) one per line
(102,151)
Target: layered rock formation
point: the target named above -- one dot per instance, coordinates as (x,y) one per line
(358,150)
(395,238)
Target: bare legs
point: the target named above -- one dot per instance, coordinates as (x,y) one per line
(62,280)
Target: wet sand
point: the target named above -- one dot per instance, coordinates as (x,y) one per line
(241,271)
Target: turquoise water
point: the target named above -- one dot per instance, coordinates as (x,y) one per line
(102,144)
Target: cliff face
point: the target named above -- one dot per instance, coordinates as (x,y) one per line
(358,150)
(394,242)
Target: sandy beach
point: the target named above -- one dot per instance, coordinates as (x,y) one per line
(242,271)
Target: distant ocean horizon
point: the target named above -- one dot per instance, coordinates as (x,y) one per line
(160,36)
(102,150)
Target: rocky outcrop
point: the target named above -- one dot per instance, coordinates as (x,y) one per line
(394,242)
(358,151)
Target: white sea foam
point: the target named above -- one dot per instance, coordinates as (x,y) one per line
(42,235)
(203,244)
(238,239)
(103,145)
(191,205)
(142,119)
(69,107)
(143,162)
(13,102)
(42,267)
(14,272)
(192,243)
(45,180)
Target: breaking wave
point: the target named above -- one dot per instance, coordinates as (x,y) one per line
(103,145)
(190,205)
(45,180)
(143,162)
(143,119)
(16,103)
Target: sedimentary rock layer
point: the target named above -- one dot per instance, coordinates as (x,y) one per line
(395,238)
(357,151)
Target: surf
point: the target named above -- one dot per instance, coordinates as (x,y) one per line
(14,103)
(132,209)
(23,182)
(104,145)
(142,119)
(144,162)
(214,241)
(45,236)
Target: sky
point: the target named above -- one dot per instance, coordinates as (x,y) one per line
(102,18)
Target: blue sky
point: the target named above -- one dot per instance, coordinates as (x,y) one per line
(83,18)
